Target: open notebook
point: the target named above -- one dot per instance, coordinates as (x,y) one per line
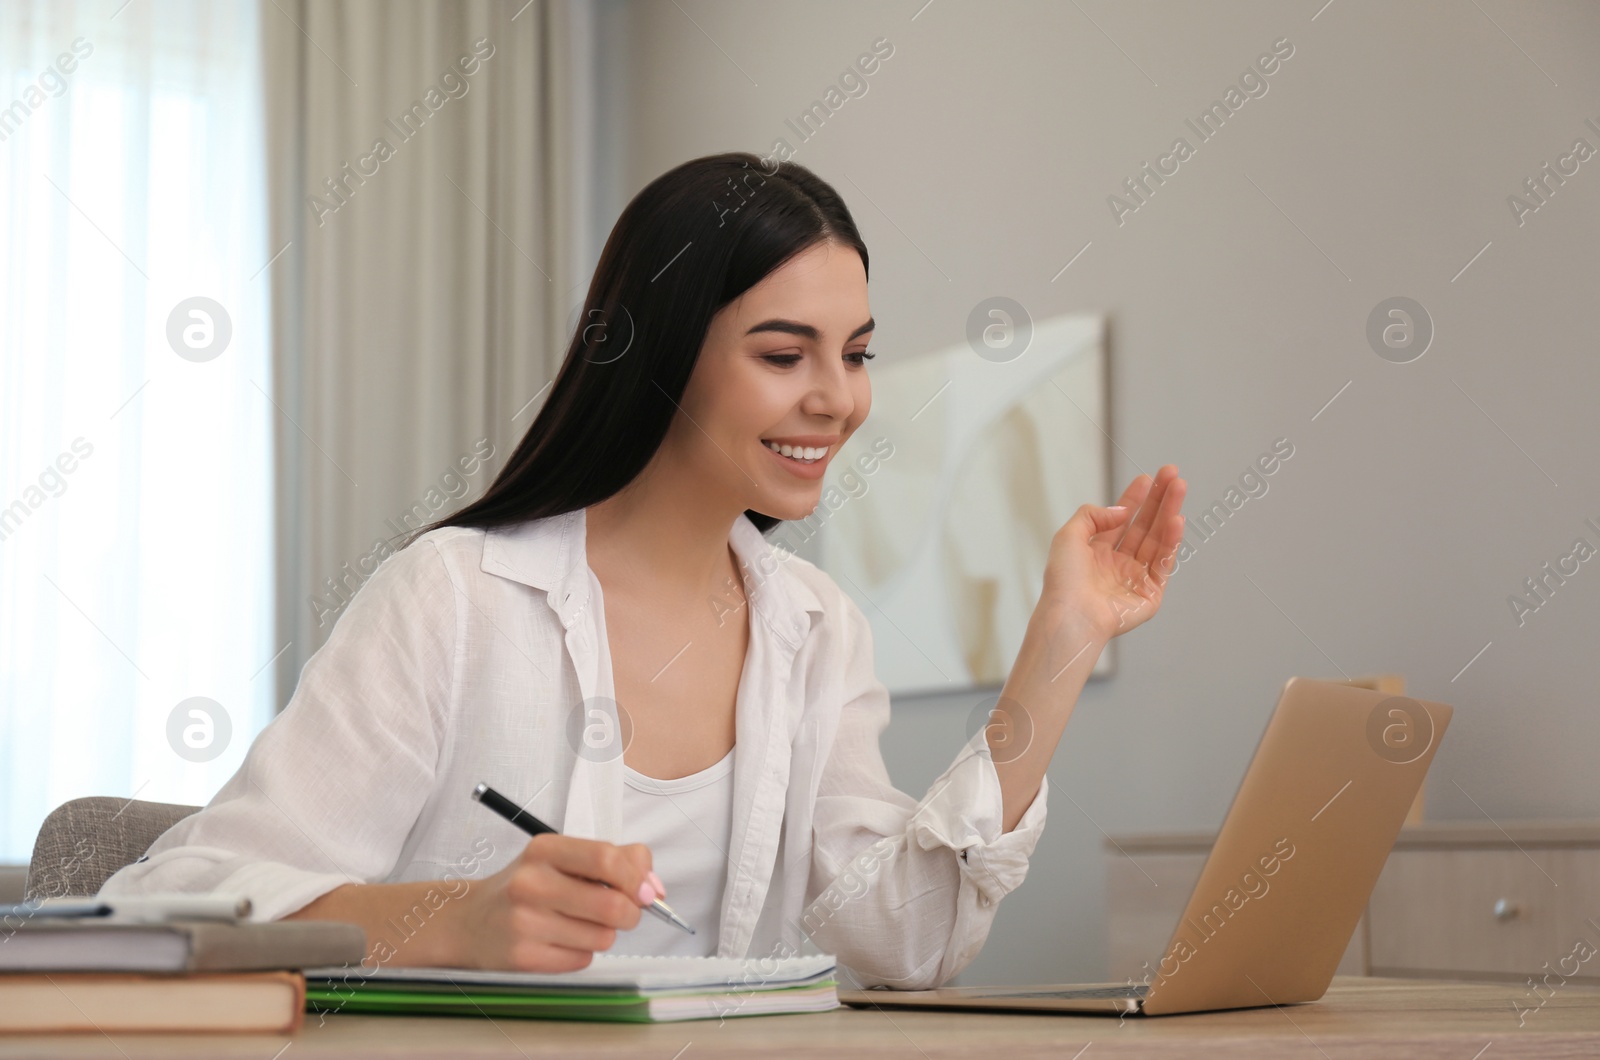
(633,989)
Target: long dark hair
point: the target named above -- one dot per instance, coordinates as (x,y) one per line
(692,241)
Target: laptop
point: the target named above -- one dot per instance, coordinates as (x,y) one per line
(1288,877)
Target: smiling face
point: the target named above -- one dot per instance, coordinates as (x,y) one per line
(783,365)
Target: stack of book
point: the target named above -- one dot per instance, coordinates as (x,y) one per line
(185,963)
(180,964)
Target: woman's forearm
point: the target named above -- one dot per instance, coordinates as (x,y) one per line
(1055,660)
(406,923)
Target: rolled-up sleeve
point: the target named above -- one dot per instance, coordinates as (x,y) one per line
(330,789)
(904,891)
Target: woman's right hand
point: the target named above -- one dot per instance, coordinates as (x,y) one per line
(547,911)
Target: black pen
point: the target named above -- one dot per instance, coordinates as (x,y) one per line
(533,826)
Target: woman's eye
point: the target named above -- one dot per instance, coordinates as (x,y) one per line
(788,360)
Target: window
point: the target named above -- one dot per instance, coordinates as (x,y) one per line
(135,417)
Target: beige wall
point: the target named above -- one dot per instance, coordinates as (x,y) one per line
(1377,164)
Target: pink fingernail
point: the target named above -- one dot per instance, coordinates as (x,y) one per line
(655,881)
(646,895)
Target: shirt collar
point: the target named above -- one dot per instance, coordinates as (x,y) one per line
(550,554)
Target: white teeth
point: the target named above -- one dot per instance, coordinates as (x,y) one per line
(802,454)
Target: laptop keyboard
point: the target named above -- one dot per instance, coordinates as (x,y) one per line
(1092,992)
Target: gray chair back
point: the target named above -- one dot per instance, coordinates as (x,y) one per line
(84,841)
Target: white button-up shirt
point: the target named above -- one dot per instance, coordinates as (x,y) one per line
(478,655)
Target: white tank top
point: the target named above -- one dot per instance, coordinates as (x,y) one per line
(686,823)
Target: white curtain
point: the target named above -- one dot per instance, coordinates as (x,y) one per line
(430,182)
(135,468)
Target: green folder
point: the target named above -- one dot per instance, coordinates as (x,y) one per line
(612,989)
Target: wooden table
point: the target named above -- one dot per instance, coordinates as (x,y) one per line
(1359,1017)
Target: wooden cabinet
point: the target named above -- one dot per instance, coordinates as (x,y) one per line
(1458,900)
(1473,902)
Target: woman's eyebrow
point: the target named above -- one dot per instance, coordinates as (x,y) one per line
(806,331)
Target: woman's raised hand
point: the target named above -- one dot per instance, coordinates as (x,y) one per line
(1109,566)
(547,911)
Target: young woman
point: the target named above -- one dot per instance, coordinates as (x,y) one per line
(607,638)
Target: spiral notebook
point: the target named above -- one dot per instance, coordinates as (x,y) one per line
(629,989)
